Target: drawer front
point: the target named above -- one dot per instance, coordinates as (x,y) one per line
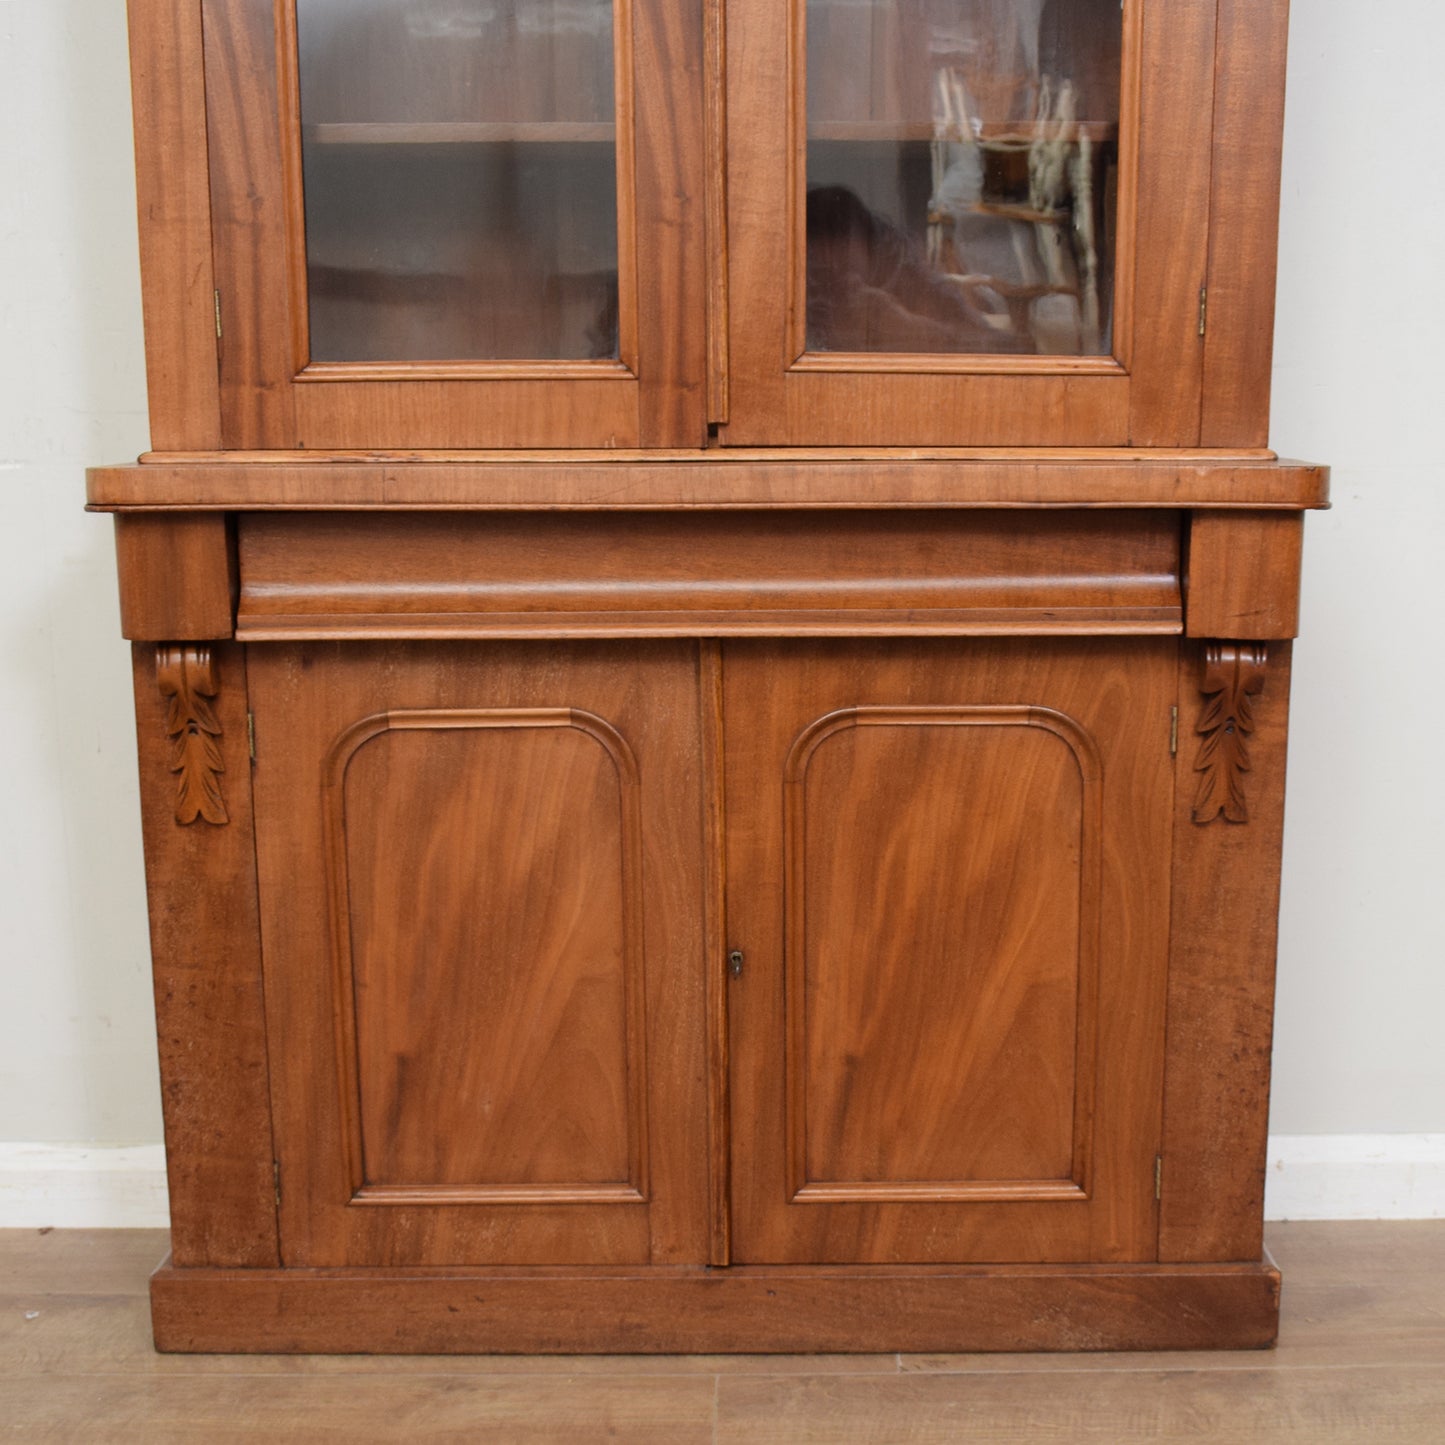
(717,574)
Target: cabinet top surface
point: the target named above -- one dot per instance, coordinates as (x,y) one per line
(776,478)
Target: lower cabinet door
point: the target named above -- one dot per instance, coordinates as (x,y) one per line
(480,867)
(948,875)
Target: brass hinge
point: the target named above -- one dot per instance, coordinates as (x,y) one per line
(1173,733)
(1158,1176)
(276,1174)
(251,734)
(218,315)
(1203,308)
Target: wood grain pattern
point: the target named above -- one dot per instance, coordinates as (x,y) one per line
(1175,157)
(1256,1402)
(492,899)
(188,682)
(1221,999)
(788,479)
(627,72)
(536,413)
(1231,676)
(206,954)
(773,693)
(1361,1302)
(1132,61)
(715,948)
(640,1411)
(749,1309)
(503,1089)
(249,225)
(1243,220)
(716,193)
(177,576)
(956,572)
(520,1075)
(980,965)
(173,197)
(672,244)
(1244,575)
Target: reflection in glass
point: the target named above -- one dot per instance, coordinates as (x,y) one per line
(459,159)
(962,163)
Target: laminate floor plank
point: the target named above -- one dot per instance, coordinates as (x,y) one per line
(103,1335)
(80,1261)
(1349,1249)
(1338,1406)
(1361,1359)
(1322,1323)
(640,1410)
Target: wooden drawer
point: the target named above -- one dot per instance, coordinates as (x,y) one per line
(358,575)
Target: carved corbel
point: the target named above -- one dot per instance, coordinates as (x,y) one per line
(186,677)
(1233,674)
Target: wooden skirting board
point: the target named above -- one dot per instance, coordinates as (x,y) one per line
(757,1309)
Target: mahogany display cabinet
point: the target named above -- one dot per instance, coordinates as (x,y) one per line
(712,621)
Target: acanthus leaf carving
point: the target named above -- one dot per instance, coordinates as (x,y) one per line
(1233,674)
(186,677)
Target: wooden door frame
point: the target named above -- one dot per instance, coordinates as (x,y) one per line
(328,1212)
(1121,1224)
(1150,395)
(270,398)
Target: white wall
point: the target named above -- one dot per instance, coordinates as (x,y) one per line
(76,1029)
(1362,968)
(1359,384)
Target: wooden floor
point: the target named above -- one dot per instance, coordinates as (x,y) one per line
(1361,1358)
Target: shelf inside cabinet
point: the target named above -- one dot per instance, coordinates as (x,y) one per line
(1021,133)
(470,132)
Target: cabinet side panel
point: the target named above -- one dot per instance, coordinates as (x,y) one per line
(177,576)
(1221,983)
(206,951)
(1244,574)
(173,197)
(1244,221)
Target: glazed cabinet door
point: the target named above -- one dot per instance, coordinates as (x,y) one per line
(948,877)
(968,222)
(480,869)
(439,224)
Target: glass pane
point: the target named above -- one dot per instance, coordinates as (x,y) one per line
(962,163)
(459,160)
